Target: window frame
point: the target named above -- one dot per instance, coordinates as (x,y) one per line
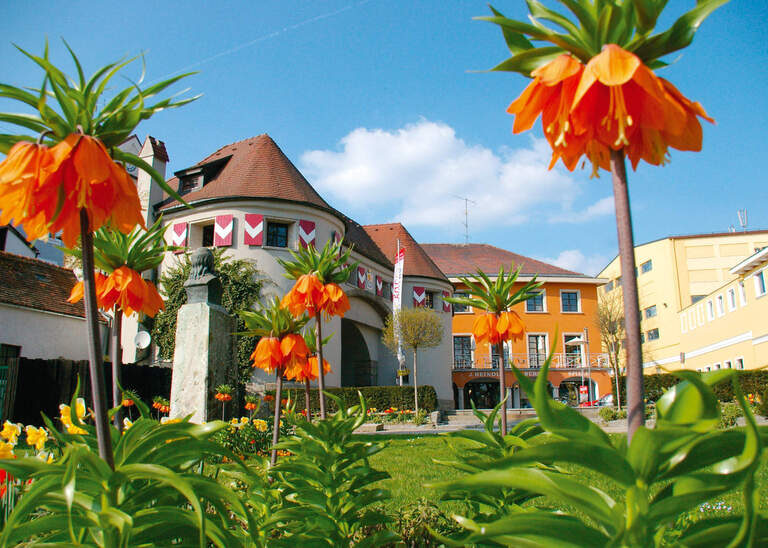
(465,310)
(650,332)
(761,288)
(731,298)
(277,222)
(647,311)
(742,293)
(720,305)
(643,269)
(710,310)
(543,293)
(471,350)
(528,351)
(739,361)
(429,299)
(578,301)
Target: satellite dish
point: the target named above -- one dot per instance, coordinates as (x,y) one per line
(142,340)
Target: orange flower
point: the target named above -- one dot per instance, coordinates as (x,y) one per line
(126,288)
(22,175)
(250,406)
(293,349)
(614,102)
(307,295)
(336,302)
(267,355)
(495,329)
(308,370)
(44,189)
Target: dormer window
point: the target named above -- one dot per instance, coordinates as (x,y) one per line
(195,177)
(191,183)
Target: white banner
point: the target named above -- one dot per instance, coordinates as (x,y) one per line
(397,300)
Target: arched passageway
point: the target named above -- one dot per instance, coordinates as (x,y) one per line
(483,392)
(355,359)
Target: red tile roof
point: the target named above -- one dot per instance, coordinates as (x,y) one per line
(465,259)
(158,149)
(253,168)
(417,262)
(356,235)
(32,283)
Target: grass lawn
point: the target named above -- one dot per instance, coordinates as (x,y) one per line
(408,459)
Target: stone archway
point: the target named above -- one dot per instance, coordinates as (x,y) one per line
(355,358)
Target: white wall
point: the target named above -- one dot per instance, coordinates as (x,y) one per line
(44,335)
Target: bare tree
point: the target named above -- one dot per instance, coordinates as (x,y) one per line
(610,319)
(418,328)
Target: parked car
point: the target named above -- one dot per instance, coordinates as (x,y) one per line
(600,402)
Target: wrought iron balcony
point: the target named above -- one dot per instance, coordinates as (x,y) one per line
(536,361)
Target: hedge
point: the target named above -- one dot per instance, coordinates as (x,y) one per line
(380,397)
(752,382)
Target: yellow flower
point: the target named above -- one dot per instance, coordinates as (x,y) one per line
(260,425)
(235,422)
(127,423)
(45,456)
(36,437)
(75,430)
(244,421)
(6,451)
(10,432)
(66,412)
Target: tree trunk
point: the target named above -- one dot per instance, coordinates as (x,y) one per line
(95,356)
(320,372)
(502,388)
(415,384)
(276,424)
(635,405)
(117,366)
(306,400)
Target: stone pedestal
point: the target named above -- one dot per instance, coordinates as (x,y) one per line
(204,356)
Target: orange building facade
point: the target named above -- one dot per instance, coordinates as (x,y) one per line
(561,320)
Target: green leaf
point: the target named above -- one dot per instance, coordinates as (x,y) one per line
(528,61)
(691,403)
(516,42)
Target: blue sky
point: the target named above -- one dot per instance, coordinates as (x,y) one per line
(377,104)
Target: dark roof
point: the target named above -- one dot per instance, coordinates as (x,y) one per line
(33,283)
(356,235)
(158,149)
(253,168)
(466,259)
(417,262)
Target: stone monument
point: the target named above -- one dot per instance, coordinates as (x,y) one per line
(204,356)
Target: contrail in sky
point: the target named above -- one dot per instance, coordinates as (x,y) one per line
(265,37)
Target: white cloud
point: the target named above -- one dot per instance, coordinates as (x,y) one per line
(415,175)
(573,259)
(601,208)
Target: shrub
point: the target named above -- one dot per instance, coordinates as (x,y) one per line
(379,397)
(414,522)
(608,414)
(729,412)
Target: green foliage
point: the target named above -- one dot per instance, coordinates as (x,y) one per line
(378,397)
(82,107)
(488,448)
(654,386)
(763,409)
(156,494)
(609,413)
(241,287)
(495,296)
(594,23)
(665,472)
(415,522)
(328,264)
(327,484)
(248,438)
(729,413)
(271,320)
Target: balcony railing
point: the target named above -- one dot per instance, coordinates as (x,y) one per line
(536,361)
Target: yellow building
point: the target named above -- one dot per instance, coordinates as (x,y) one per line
(728,329)
(674,273)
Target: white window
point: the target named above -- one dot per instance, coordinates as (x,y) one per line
(700,315)
(742,294)
(720,306)
(462,352)
(650,312)
(709,368)
(691,319)
(538,303)
(739,363)
(710,311)
(653,334)
(537,350)
(728,364)
(574,352)
(570,300)
(760,284)
(460,308)
(731,299)
(683,324)
(717,366)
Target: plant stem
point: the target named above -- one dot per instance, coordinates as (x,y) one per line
(415,383)
(95,358)
(502,388)
(306,399)
(320,372)
(635,405)
(117,365)
(276,425)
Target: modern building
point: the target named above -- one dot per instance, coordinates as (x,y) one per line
(562,319)
(674,273)
(728,328)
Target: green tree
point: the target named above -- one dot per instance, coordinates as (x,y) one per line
(241,285)
(417,328)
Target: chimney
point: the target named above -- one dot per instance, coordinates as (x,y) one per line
(153,152)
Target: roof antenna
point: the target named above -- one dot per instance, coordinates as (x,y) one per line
(467,201)
(742,213)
